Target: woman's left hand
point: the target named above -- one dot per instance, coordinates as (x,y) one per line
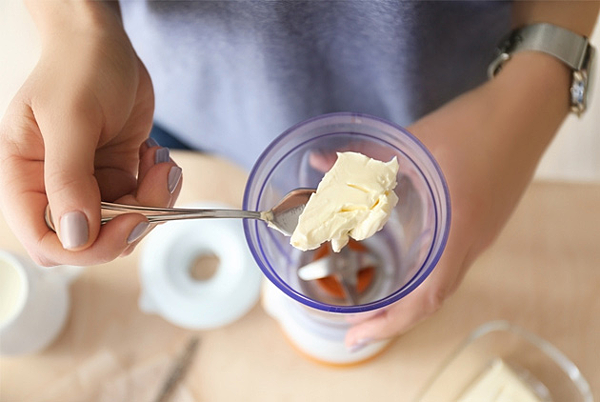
(488,147)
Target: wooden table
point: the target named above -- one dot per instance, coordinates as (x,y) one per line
(543,274)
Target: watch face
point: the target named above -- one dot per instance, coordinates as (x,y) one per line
(578,92)
(578,88)
(583,85)
(591,75)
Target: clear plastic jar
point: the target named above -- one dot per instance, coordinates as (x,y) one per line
(410,244)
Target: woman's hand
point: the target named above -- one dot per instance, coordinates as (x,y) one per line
(488,143)
(75,134)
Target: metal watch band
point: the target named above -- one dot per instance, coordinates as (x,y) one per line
(556,41)
(572,49)
(561,43)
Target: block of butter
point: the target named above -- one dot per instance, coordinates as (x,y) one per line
(499,383)
(354,199)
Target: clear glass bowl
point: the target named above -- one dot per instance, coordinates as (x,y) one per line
(537,363)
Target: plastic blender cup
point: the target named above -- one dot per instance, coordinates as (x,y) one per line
(409,245)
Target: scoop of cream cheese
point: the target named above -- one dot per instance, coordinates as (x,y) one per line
(354,199)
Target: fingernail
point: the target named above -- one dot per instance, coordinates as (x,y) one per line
(174,177)
(74,230)
(161,156)
(360,344)
(151,142)
(137,232)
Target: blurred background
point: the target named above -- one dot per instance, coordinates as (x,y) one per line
(573,156)
(541,275)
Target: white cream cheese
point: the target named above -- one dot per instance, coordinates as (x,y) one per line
(354,199)
(499,383)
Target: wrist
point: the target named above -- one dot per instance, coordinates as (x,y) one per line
(532,90)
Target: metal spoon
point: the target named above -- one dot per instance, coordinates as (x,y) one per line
(283,216)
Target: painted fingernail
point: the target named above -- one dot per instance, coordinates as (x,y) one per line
(151,142)
(138,231)
(74,231)
(174,178)
(161,156)
(360,344)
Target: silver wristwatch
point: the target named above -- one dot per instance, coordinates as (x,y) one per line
(572,49)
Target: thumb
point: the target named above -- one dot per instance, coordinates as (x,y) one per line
(71,188)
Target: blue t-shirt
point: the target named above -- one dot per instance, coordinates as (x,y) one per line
(230,76)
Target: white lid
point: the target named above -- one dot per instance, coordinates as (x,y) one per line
(168,288)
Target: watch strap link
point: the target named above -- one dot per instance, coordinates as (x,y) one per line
(561,43)
(572,49)
(556,41)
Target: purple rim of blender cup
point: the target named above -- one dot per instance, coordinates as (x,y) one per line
(421,274)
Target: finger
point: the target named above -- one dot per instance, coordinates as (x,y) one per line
(121,166)
(322,161)
(156,167)
(112,240)
(148,157)
(355,319)
(70,141)
(396,319)
(159,180)
(159,185)
(426,299)
(116,168)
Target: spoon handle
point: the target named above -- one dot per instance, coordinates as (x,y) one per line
(156,215)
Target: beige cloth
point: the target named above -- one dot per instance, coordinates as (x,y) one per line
(102,378)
